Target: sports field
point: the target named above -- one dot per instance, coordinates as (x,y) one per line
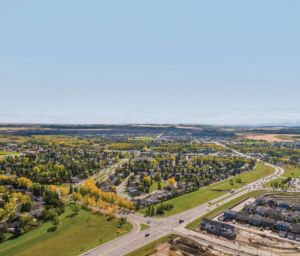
(85,230)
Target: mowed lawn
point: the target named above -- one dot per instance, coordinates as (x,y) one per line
(74,232)
(290,171)
(249,177)
(201,196)
(155,186)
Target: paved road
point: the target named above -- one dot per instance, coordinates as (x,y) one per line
(169,225)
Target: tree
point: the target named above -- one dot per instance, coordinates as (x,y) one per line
(71,190)
(171,181)
(24,182)
(63,192)
(113,188)
(76,208)
(231,182)
(76,197)
(55,221)
(159,185)
(26,222)
(147,181)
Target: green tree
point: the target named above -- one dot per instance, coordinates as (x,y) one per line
(56,221)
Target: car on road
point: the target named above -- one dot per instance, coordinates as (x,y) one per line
(209,203)
(217,204)
(210,246)
(207,209)
(86,253)
(147,234)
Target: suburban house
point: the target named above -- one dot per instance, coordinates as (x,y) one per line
(242,216)
(283,226)
(285,205)
(274,214)
(217,228)
(296,228)
(289,217)
(255,220)
(250,208)
(283,234)
(272,203)
(296,207)
(36,213)
(262,211)
(267,222)
(290,235)
(261,200)
(142,159)
(230,214)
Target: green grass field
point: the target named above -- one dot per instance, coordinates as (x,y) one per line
(249,177)
(74,232)
(155,186)
(201,196)
(290,171)
(145,138)
(143,226)
(4,154)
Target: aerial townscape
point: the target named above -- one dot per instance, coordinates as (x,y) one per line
(149,128)
(143,190)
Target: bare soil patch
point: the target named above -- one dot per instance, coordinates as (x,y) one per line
(190,127)
(267,137)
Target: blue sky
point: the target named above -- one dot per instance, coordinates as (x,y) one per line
(204,62)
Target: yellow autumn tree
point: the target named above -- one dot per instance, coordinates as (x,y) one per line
(52,188)
(63,192)
(24,182)
(171,181)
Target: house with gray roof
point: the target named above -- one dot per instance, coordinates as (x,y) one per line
(255,220)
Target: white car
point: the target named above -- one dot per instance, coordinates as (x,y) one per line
(88,252)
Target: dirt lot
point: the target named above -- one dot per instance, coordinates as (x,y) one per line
(183,246)
(269,244)
(267,137)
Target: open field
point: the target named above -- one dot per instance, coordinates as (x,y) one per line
(198,197)
(73,233)
(225,206)
(249,177)
(155,186)
(269,137)
(290,171)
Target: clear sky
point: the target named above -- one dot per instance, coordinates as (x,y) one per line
(204,62)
